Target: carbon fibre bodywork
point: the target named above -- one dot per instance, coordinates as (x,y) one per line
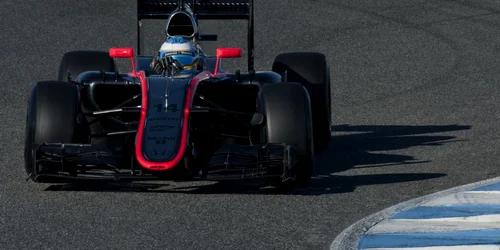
(145,124)
(123,145)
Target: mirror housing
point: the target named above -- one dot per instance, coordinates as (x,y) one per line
(121,52)
(124,53)
(226,53)
(229,53)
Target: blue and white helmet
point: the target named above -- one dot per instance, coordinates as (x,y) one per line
(183,54)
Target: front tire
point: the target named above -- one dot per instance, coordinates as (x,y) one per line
(51,118)
(287,111)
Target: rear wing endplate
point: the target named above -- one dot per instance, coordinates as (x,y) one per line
(203,10)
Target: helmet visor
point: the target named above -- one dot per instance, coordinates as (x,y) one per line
(186,62)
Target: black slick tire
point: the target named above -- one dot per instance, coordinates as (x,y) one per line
(287,111)
(52,118)
(77,62)
(74,63)
(311,70)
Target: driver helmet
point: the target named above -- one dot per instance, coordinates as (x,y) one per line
(181,54)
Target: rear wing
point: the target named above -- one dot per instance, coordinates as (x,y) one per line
(202,10)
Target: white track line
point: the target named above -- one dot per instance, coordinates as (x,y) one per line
(474,247)
(477,197)
(489,218)
(406,226)
(483,192)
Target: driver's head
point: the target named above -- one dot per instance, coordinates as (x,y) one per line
(181,54)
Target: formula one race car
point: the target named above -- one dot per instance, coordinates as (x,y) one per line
(178,114)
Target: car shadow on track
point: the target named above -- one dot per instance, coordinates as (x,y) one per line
(351,147)
(358,146)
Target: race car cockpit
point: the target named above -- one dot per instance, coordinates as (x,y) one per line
(178,57)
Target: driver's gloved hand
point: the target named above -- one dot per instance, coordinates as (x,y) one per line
(158,66)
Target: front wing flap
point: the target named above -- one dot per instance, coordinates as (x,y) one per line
(73,161)
(252,162)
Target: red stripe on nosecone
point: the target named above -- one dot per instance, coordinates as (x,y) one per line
(165,165)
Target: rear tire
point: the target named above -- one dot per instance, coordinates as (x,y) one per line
(51,118)
(287,111)
(77,62)
(311,70)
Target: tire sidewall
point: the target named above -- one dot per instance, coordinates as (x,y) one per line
(64,124)
(312,71)
(303,127)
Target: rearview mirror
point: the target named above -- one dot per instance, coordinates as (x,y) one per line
(121,52)
(226,53)
(229,52)
(124,53)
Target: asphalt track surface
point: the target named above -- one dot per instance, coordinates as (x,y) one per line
(415,100)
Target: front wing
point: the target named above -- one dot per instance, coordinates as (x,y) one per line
(56,162)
